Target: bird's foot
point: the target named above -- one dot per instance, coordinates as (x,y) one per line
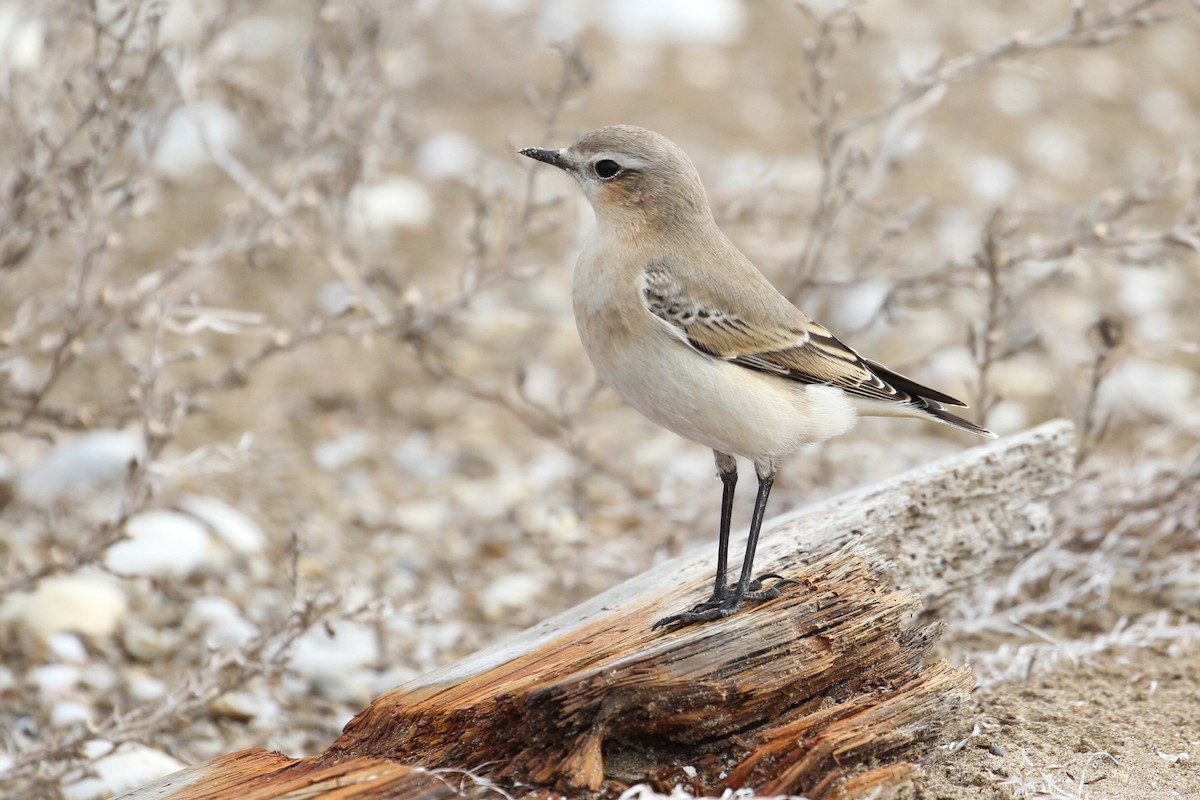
(701,613)
(755,591)
(725,601)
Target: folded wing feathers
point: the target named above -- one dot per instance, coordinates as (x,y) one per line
(809,354)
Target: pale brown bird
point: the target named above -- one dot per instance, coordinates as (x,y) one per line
(692,335)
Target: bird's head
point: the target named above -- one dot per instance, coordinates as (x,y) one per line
(632,176)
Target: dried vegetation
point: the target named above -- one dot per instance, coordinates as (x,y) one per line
(291,405)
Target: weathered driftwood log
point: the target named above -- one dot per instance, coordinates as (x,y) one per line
(821,691)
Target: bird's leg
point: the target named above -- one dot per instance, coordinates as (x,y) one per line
(754,590)
(747,588)
(727,471)
(742,591)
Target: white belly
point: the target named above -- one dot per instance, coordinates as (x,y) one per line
(717,404)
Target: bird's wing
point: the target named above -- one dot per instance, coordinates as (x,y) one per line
(778,339)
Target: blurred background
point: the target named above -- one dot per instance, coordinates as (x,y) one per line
(292,406)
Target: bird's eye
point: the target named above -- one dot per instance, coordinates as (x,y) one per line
(606,168)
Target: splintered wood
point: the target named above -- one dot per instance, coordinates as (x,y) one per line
(795,694)
(825,691)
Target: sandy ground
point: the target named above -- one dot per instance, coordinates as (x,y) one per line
(1120,726)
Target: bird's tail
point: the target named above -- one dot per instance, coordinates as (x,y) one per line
(938,412)
(920,401)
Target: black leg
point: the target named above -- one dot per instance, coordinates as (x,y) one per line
(765,481)
(746,587)
(727,471)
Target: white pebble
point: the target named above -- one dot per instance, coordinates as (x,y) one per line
(181,24)
(1175,758)
(245,706)
(261,37)
(163,544)
(145,688)
(418,457)
(552,523)
(543,384)
(1183,592)
(508,593)
(332,455)
(1147,290)
(146,643)
(860,304)
(446,155)
(67,647)
(422,515)
(8,681)
(1008,416)
(222,623)
(335,297)
(70,712)
(319,656)
(346,687)
(211,610)
(126,768)
(1058,149)
(189,132)
(22,38)
(97,748)
(692,21)
(951,368)
(99,677)
(91,461)
(744,171)
(957,232)
(1137,386)
(230,634)
(240,533)
(396,202)
(24,374)
(88,604)
(917,56)
(991,179)
(56,680)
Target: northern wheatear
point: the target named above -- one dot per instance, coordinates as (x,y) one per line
(693,336)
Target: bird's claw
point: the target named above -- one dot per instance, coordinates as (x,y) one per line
(755,591)
(757,583)
(693,616)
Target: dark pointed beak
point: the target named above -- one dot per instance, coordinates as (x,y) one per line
(551,157)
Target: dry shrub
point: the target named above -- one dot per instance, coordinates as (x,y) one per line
(283,256)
